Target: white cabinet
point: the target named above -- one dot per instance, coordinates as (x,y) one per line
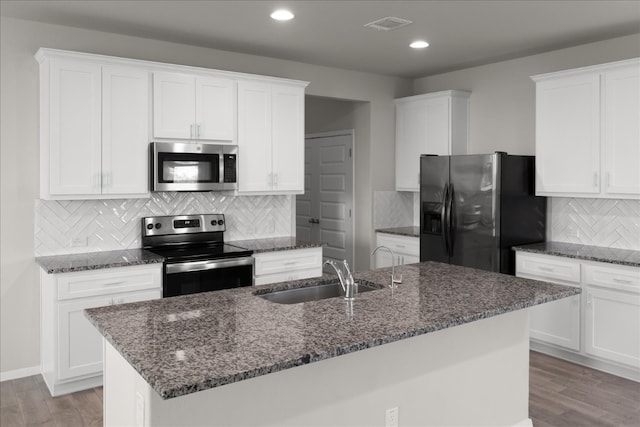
(557,322)
(588,131)
(270,138)
(612,316)
(94,131)
(600,327)
(280,266)
(71,348)
(405,248)
(435,123)
(194,107)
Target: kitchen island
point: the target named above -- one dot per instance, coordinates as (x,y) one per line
(449,346)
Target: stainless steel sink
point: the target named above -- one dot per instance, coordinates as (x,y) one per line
(312,293)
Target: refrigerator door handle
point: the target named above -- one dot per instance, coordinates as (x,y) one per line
(451,220)
(443,220)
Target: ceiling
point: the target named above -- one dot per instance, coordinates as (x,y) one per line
(332,33)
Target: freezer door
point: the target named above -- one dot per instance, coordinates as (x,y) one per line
(475,211)
(434,182)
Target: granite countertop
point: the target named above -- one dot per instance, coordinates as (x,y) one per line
(411,231)
(97,260)
(195,342)
(589,253)
(109,259)
(273,244)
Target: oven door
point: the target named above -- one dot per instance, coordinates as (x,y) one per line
(191,277)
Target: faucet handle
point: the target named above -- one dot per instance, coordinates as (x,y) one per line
(397,278)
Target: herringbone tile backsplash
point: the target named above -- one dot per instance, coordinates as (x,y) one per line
(115,224)
(597,222)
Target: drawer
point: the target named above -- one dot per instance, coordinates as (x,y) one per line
(615,277)
(108,281)
(287,261)
(399,244)
(547,267)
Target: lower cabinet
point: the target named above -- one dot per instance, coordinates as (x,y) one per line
(280,266)
(600,327)
(71,347)
(405,248)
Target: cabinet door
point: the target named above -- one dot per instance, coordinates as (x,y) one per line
(215,109)
(74,144)
(621,130)
(568,135)
(557,322)
(79,342)
(438,137)
(612,329)
(125,130)
(411,133)
(254,137)
(173,105)
(288,138)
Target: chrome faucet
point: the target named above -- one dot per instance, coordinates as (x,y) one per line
(346,279)
(394,279)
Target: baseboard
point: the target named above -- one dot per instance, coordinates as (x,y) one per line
(19,373)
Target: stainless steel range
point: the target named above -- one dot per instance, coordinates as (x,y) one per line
(196,257)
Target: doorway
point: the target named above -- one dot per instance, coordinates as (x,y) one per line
(324,213)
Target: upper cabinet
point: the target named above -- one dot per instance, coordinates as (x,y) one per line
(588,131)
(270,138)
(94,129)
(434,123)
(98,115)
(194,107)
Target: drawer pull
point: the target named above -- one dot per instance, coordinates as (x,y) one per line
(623,281)
(400,246)
(291,263)
(114,283)
(549,269)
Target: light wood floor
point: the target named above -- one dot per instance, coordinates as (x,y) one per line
(561,394)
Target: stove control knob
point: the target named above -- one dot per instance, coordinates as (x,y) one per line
(149,226)
(214,222)
(220,222)
(158,226)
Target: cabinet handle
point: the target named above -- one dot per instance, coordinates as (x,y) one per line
(589,298)
(608,178)
(270,180)
(198,131)
(595,179)
(623,281)
(275,180)
(549,269)
(400,246)
(291,263)
(191,131)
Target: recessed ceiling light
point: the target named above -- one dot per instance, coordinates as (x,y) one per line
(419,44)
(282,15)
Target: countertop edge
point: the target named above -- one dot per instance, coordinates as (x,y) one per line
(586,257)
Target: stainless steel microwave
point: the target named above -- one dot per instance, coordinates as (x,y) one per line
(176,166)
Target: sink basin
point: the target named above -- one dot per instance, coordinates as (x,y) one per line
(312,293)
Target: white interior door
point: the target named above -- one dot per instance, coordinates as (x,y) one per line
(324,213)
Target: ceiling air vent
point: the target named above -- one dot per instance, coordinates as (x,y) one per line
(389,23)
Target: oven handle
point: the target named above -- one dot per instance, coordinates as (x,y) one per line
(185,267)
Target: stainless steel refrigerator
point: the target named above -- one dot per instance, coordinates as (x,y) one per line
(475,208)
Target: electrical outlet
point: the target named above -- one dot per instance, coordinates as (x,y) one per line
(78,242)
(391,417)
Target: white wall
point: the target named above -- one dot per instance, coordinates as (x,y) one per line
(503,95)
(19,40)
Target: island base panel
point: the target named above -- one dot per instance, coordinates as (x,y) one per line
(476,373)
